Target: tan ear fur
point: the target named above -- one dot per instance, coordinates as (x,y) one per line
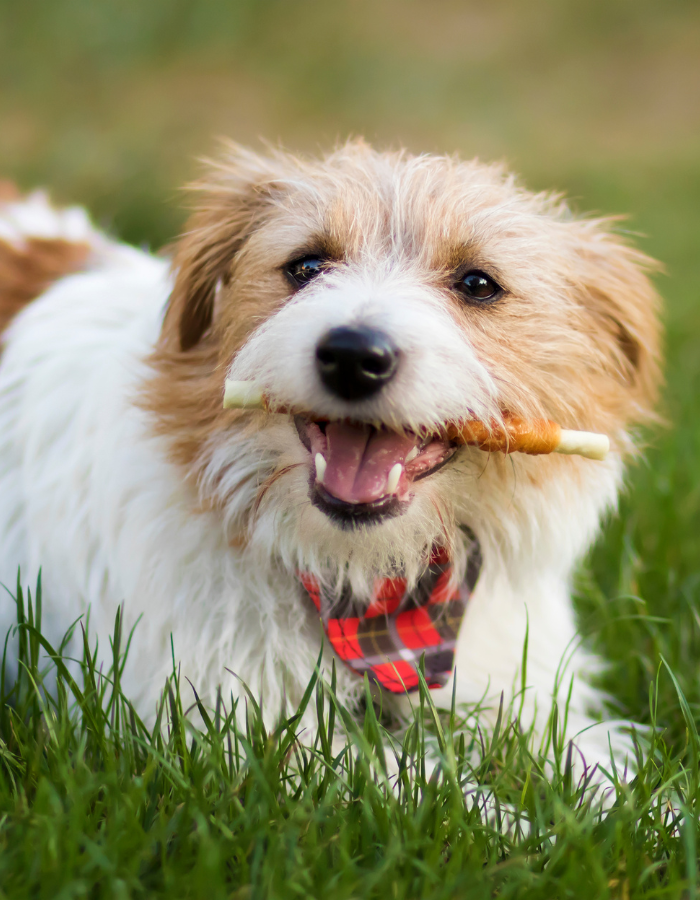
(233,203)
(616,290)
(184,391)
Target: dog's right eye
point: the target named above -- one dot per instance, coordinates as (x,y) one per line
(301,271)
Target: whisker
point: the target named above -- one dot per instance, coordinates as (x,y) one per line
(445,534)
(267,484)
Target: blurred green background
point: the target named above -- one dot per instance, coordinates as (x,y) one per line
(109,102)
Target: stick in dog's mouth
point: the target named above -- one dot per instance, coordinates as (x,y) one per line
(534,436)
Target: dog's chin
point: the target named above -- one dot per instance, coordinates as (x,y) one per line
(349,516)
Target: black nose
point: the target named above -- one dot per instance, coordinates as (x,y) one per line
(355,363)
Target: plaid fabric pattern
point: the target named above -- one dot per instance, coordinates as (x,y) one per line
(387,638)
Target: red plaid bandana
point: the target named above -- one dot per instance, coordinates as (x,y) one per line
(387,638)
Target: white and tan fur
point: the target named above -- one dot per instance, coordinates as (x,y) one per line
(125,480)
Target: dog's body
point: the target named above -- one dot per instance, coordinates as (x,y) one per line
(125,480)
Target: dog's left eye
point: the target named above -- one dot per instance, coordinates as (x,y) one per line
(303,270)
(478,287)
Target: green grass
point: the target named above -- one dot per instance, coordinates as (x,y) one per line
(95,804)
(108,102)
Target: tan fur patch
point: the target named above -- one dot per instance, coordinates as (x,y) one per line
(27,271)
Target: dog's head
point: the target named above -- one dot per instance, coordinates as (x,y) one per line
(388,294)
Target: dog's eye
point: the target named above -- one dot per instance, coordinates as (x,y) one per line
(478,287)
(302,271)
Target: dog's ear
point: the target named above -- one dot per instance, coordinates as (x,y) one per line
(613,284)
(232,204)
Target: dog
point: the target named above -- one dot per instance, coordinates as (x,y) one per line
(386,295)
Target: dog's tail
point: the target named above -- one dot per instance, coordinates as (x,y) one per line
(38,245)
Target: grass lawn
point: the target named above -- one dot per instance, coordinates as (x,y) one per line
(107,102)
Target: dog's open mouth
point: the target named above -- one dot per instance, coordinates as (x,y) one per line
(361,474)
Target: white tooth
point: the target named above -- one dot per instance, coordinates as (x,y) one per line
(413,453)
(320,467)
(392,481)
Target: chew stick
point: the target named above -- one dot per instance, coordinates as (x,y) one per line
(532,436)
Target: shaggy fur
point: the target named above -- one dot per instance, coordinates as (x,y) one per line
(125,479)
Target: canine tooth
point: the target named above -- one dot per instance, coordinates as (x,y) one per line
(320,467)
(392,481)
(413,453)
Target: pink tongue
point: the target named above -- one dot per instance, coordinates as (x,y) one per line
(359,459)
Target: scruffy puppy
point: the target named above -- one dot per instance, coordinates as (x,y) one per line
(388,295)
